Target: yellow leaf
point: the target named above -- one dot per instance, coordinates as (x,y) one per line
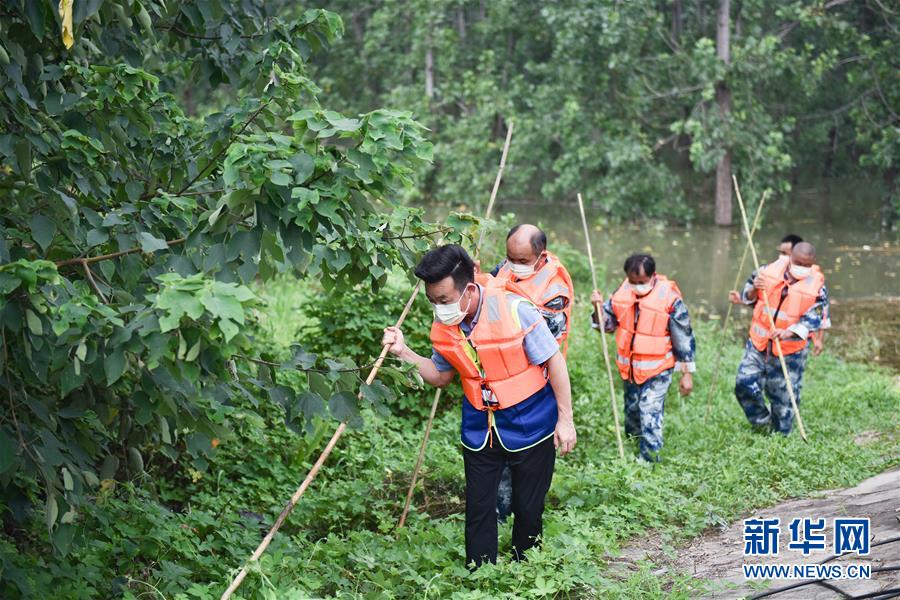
(65,14)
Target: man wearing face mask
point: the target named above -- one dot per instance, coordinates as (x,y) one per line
(653,339)
(518,404)
(543,279)
(785,247)
(798,299)
(541,276)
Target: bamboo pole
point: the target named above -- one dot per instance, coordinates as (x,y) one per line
(737,281)
(599,309)
(437,394)
(765,296)
(409,494)
(318,464)
(496,187)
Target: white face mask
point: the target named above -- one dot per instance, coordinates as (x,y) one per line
(798,272)
(641,289)
(521,271)
(451,314)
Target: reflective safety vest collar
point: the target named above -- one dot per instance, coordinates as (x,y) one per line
(549,282)
(492,363)
(801,296)
(644,350)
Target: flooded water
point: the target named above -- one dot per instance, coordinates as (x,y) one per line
(861,261)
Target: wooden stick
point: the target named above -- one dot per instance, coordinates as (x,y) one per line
(737,281)
(412,485)
(437,394)
(496,187)
(784,369)
(318,465)
(599,310)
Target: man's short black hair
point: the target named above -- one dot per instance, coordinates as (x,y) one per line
(792,238)
(538,239)
(447,261)
(636,262)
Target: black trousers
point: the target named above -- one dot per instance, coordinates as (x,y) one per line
(532,471)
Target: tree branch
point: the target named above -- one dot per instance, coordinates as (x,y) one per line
(269,363)
(204,171)
(417,235)
(82,260)
(90,278)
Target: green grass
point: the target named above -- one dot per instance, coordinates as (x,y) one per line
(180,534)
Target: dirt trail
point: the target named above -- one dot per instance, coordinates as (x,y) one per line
(719,556)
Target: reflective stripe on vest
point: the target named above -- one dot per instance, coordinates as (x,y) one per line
(550,281)
(647,365)
(785,312)
(644,349)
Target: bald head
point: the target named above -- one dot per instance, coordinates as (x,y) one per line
(803,254)
(525,243)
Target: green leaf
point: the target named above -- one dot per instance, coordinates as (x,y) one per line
(109,467)
(43,230)
(51,511)
(91,478)
(34,322)
(319,384)
(343,406)
(280,178)
(308,405)
(301,358)
(304,165)
(135,460)
(23,153)
(95,237)
(114,365)
(164,430)
(228,328)
(192,354)
(224,307)
(151,243)
(68,484)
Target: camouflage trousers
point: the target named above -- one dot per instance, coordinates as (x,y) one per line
(644,405)
(760,373)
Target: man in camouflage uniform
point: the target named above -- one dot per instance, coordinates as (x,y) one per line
(759,373)
(644,401)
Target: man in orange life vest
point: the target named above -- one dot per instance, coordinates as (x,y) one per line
(541,276)
(543,279)
(518,403)
(653,339)
(785,246)
(798,300)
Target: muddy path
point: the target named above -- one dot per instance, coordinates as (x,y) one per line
(718,555)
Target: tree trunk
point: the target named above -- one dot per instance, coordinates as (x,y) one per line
(461,23)
(677,17)
(429,68)
(723,99)
(890,213)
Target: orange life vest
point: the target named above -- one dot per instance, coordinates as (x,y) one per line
(801,295)
(644,350)
(492,363)
(548,283)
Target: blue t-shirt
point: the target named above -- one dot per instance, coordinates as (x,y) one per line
(531,421)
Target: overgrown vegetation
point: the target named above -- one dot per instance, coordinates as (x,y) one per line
(178,532)
(196,261)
